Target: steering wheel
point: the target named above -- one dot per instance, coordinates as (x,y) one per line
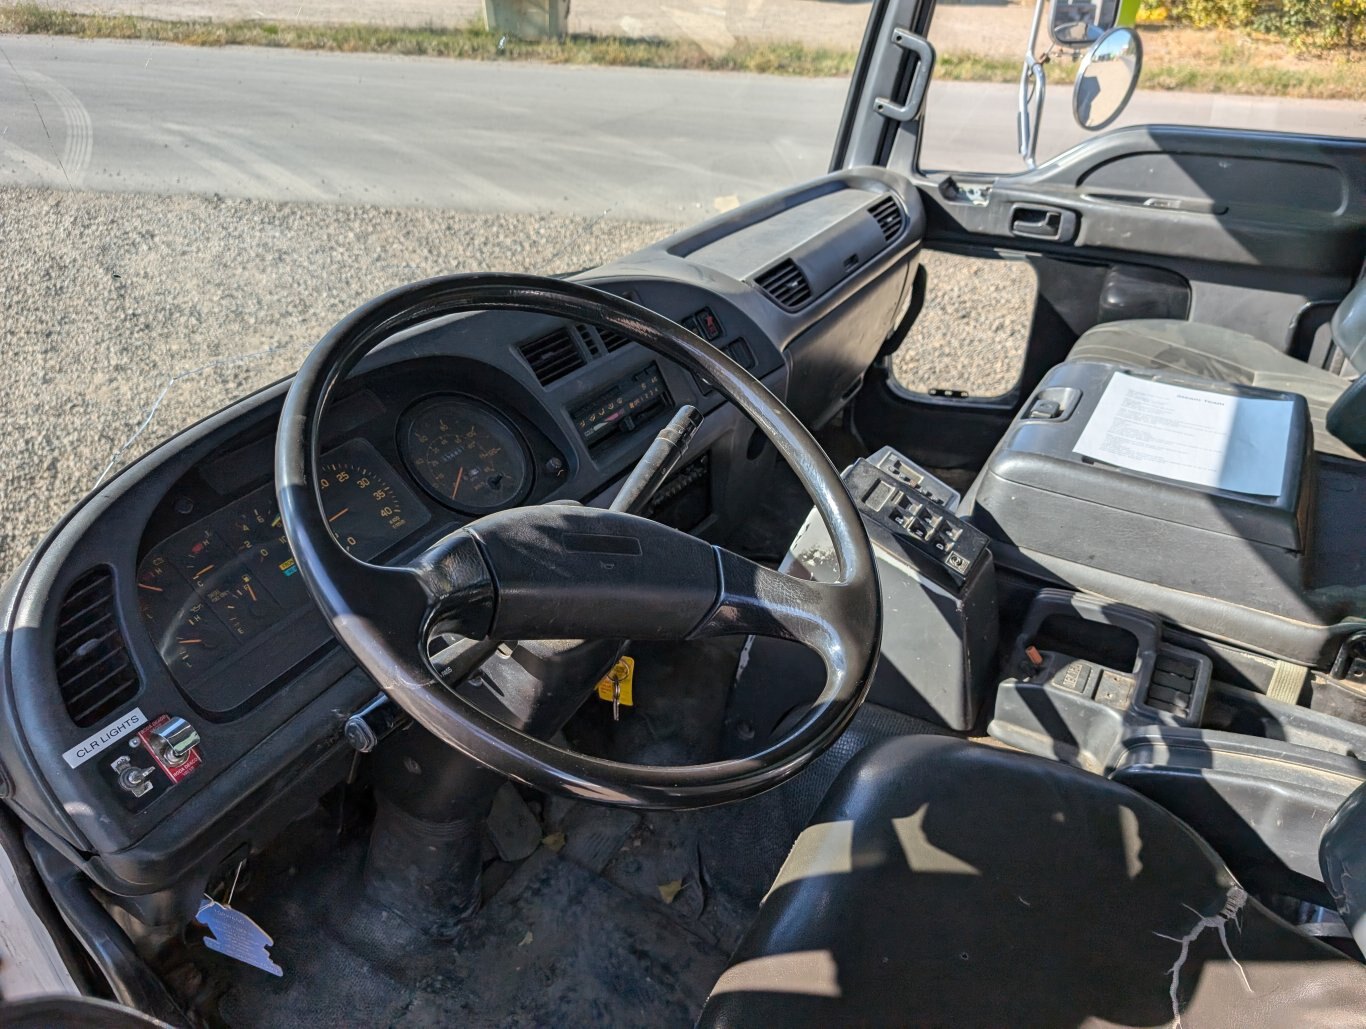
(563,571)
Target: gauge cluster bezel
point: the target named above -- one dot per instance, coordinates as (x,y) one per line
(423,405)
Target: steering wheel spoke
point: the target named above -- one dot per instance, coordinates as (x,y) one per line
(757,600)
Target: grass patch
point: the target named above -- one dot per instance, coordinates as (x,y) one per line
(1321,80)
(1181,60)
(469,44)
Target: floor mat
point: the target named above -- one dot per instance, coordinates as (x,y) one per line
(557,945)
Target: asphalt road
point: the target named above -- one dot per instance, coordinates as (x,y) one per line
(288,125)
(487,137)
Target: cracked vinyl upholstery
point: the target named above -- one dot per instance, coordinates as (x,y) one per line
(945,883)
(1220,354)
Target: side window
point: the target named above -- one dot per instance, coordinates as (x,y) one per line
(1288,66)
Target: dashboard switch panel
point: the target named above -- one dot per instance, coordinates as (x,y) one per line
(625,407)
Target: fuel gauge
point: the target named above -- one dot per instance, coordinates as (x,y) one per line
(243,605)
(257,533)
(195,641)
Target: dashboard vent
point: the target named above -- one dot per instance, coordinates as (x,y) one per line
(94,673)
(889,218)
(786,284)
(613,340)
(553,357)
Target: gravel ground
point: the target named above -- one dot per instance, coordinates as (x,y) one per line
(972,332)
(994,28)
(104,298)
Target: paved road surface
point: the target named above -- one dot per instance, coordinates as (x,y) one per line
(481,136)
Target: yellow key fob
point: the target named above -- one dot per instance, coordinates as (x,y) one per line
(616,684)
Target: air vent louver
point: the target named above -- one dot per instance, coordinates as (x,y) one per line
(786,284)
(887,212)
(94,672)
(613,340)
(553,357)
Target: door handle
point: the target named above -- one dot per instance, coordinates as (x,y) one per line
(1035,221)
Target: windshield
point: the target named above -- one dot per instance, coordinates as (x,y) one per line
(192,194)
(193,191)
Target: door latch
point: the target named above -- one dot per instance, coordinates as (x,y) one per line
(1035,221)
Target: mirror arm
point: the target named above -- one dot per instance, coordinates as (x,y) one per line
(1027,121)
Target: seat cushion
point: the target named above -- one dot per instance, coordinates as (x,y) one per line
(1220,354)
(949,883)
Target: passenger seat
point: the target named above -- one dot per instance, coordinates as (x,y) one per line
(1337,406)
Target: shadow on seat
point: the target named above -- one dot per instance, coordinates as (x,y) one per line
(948,883)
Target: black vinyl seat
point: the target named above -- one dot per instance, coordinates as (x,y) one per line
(1337,405)
(946,883)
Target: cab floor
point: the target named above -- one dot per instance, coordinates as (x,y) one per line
(628,923)
(559,943)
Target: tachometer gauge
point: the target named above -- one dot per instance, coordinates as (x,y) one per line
(365,510)
(467,456)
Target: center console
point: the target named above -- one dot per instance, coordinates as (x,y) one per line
(1182,574)
(1233,529)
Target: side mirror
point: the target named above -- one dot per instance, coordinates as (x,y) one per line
(1107,78)
(1075,24)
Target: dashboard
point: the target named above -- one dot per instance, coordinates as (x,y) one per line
(171,593)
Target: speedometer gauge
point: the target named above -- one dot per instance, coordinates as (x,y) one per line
(365,510)
(467,456)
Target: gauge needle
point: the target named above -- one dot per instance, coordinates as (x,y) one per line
(154,589)
(339,514)
(458,476)
(250,592)
(203,571)
(187,642)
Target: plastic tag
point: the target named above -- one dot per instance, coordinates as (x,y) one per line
(622,674)
(236,935)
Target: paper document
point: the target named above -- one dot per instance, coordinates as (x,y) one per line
(1190,434)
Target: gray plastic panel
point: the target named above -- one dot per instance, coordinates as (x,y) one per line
(755,247)
(1223,182)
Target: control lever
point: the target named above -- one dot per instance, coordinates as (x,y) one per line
(660,459)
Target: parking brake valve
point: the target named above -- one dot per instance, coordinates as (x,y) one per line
(173,742)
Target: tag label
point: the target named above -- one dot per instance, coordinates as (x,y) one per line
(105,738)
(624,672)
(236,935)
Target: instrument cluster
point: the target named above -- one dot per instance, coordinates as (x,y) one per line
(222,584)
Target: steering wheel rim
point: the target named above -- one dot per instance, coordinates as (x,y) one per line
(372,608)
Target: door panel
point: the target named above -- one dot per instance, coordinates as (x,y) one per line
(1256,231)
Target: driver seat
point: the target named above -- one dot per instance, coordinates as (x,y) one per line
(947,883)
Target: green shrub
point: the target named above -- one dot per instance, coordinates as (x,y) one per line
(1304,24)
